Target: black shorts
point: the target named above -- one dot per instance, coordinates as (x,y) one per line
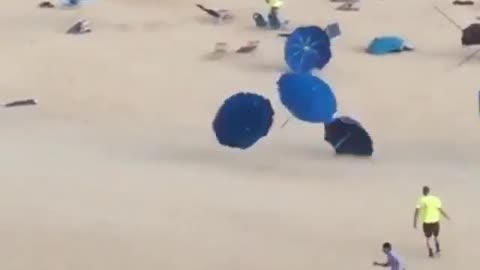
(430,229)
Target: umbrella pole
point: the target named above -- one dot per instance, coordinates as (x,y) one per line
(447,17)
(468,58)
(285,123)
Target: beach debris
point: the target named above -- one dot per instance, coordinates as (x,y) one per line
(73,3)
(219,51)
(463,3)
(470,35)
(272,22)
(307,97)
(22,102)
(333,31)
(80,27)
(249,47)
(242,120)
(46,4)
(348,5)
(222,48)
(348,137)
(388,44)
(307,48)
(220,15)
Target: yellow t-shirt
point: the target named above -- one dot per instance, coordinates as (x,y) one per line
(275,3)
(429,207)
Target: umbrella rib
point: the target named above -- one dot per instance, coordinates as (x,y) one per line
(342,140)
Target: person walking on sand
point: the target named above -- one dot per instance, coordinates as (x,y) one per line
(393,260)
(430,207)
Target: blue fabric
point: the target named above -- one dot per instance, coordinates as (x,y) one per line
(385,45)
(307,48)
(347,136)
(75,2)
(307,97)
(242,120)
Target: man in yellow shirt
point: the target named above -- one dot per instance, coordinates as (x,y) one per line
(430,207)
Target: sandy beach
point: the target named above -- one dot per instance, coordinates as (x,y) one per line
(117,167)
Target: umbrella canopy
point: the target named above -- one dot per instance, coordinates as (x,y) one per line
(74,2)
(388,44)
(242,120)
(307,97)
(307,48)
(471,35)
(348,136)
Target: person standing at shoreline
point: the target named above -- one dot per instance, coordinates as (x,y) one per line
(430,207)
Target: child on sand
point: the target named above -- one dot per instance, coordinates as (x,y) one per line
(393,260)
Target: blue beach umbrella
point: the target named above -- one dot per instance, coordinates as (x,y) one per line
(307,97)
(307,48)
(348,137)
(388,44)
(72,3)
(242,120)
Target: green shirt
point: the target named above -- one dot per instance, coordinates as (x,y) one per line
(429,207)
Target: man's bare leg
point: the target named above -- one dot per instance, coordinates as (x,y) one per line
(430,250)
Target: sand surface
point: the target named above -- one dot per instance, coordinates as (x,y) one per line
(118,168)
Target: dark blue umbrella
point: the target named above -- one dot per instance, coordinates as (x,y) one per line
(307,48)
(348,136)
(242,120)
(307,97)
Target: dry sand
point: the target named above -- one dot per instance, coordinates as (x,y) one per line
(118,168)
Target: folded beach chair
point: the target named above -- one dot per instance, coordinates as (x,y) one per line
(80,27)
(272,22)
(349,5)
(260,20)
(219,14)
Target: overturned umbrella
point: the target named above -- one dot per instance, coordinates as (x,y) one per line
(470,34)
(348,137)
